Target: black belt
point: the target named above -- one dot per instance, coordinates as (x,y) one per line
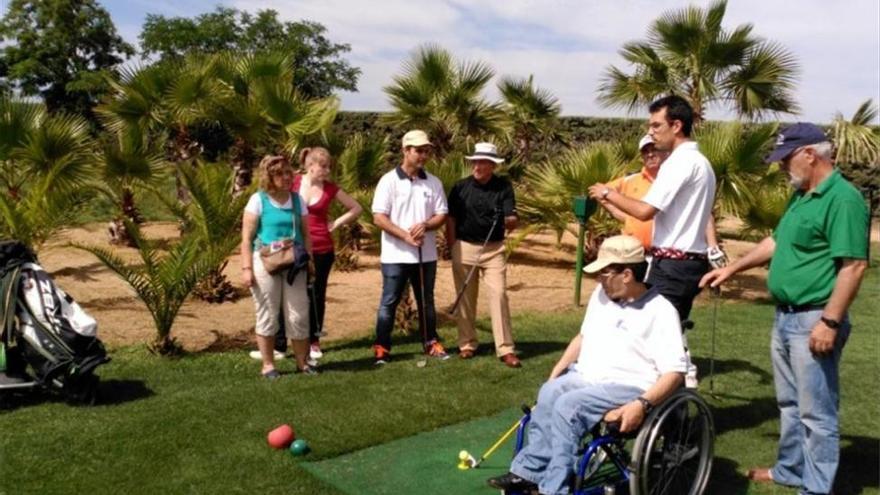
(798,308)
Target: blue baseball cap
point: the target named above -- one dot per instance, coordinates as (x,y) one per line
(793,137)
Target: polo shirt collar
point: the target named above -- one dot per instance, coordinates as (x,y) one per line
(640,303)
(402,175)
(827,184)
(646,175)
(687,145)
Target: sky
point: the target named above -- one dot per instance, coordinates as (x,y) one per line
(565,44)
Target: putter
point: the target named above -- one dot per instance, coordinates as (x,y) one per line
(527,410)
(716,293)
(471,272)
(421,307)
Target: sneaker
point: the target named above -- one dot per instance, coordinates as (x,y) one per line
(278,356)
(381,354)
(315,351)
(435,349)
(511,482)
(312,362)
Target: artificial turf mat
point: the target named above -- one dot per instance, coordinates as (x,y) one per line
(425,463)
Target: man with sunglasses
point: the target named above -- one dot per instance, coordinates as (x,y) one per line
(409,205)
(627,358)
(818,256)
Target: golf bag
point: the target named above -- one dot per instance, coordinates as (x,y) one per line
(44,331)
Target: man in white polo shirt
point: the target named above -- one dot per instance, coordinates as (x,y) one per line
(680,202)
(627,358)
(409,205)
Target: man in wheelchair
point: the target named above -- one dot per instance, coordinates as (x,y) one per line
(628,357)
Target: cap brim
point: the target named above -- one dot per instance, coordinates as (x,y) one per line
(479,157)
(596,265)
(779,154)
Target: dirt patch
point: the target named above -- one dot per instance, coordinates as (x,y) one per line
(540,279)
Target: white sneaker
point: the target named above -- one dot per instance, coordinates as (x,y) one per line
(315,351)
(313,363)
(690,376)
(259,357)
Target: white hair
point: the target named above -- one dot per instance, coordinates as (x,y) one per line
(824,150)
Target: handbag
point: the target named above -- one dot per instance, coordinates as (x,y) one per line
(280,255)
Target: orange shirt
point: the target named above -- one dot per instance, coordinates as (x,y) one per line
(635,186)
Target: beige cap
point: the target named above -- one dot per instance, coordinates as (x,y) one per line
(416,138)
(620,249)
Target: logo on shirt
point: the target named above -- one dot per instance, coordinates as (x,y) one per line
(780,139)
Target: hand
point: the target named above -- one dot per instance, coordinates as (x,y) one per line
(418,230)
(716,277)
(717,257)
(822,339)
(597,191)
(412,241)
(247,277)
(629,416)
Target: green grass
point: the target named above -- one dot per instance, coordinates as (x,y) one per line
(197,424)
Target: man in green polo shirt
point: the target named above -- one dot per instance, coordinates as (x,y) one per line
(817,258)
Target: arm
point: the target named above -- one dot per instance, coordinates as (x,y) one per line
(450,230)
(849,278)
(354,210)
(511,223)
(632,207)
(615,211)
(711,233)
(760,255)
(631,414)
(248,230)
(569,356)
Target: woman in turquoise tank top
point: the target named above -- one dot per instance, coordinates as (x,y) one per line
(274,214)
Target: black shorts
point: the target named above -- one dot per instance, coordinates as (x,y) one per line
(678,281)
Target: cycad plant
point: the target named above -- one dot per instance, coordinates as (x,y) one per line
(764,209)
(45,164)
(443,97)
(162,280)
(215,219)
(858,148)
(548,190)
(689,53)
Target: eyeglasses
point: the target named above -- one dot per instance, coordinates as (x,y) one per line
(607,274)
(422,151)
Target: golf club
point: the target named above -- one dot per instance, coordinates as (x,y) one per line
(473,269)
(527,410)
(421,309)
(716,293)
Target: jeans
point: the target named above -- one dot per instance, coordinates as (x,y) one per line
(318,293)
(394,279)
(568,407)
(807,393)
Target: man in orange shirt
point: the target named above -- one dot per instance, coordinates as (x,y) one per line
(636,186)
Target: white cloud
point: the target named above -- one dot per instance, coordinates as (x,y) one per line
(567,44)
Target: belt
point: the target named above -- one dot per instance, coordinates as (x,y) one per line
(676,254)
(798,308)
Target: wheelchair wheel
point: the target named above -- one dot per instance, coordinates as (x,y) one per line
(672,453)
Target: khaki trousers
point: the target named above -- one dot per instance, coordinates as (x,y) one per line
(272,294)
(492,268)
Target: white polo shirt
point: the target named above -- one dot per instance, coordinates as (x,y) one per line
(630,344)
(683,192)
(408,202)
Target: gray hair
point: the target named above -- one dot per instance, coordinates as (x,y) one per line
(824,150)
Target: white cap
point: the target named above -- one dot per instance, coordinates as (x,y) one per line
(646,140)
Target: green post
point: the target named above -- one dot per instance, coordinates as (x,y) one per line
(583,207)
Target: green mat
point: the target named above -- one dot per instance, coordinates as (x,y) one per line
(425,463)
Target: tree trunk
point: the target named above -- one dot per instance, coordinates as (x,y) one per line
(242,158)
(215,288)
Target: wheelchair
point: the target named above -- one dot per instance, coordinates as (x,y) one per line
(671,454)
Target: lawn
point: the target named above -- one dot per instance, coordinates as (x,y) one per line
(197,424)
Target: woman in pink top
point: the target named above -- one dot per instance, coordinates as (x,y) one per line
(318,192)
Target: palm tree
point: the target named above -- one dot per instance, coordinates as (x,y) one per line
(45,164)
(857,141)
(531,115)
(161,281)
(762,212)
(127,165)
(737,153)
(442,97)
(550,187)
(688,53)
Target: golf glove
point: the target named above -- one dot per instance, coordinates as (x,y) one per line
(717,257)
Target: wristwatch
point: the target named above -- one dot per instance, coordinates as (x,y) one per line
(646,404)
(605,192)
(831,323)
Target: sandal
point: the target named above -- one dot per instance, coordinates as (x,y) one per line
(308,370)
(272,375)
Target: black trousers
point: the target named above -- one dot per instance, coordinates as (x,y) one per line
(317,300)
(678,281)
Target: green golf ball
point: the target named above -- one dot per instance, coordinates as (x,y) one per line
(299,447)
